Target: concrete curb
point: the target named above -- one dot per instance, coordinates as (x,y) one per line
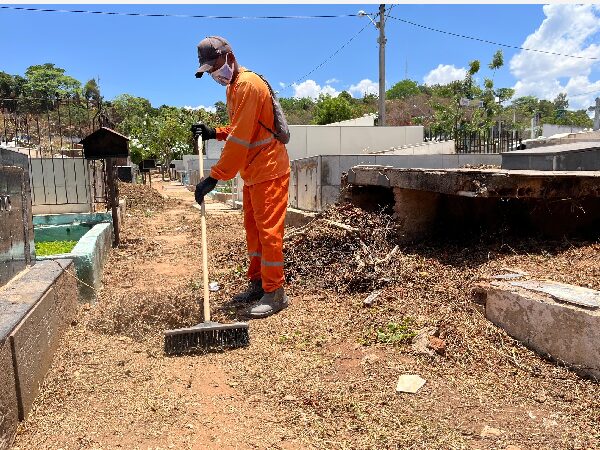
(35,310)
(89,256)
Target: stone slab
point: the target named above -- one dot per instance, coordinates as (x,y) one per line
(297,218)
(575,295)
(8,397)
(486,183)
(564,331)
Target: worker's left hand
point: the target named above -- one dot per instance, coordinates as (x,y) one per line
(204,187)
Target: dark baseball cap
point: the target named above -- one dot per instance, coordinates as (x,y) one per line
(209,50)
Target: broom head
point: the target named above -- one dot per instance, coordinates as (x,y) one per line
(206,337)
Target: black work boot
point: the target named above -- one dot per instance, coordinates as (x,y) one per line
(253,292)
(269,304)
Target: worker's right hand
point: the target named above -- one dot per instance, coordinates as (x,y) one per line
(199,129)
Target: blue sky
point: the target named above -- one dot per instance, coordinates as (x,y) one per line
(156,57)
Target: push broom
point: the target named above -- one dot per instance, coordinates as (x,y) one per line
(207,335)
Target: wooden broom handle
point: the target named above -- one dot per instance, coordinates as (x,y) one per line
(203,237)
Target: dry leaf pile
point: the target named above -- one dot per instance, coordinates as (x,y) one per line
(345,249)
(141,197)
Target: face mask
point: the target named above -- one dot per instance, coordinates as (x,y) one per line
(224,74)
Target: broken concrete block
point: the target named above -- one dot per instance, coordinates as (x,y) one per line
(427,342)
(409,383)
(370,300)
(554,319)
(437,345)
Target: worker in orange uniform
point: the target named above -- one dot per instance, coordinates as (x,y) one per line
(263,163)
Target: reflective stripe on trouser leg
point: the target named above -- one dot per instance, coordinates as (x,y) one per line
(252,240)
(269,203)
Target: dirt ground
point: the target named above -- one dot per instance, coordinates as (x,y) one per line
(317,375)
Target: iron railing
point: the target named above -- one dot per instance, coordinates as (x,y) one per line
(486,141)
(49,131)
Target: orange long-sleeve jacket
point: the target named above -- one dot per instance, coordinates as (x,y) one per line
(250,148)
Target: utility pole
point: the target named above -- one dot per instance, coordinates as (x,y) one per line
(381,41)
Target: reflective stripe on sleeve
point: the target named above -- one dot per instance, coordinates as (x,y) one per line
(249,144)
(263,142)
(237,140)
(254,254)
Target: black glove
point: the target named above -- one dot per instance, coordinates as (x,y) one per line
(204,187)
(205,131)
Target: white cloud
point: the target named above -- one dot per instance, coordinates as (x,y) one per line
(567,29)
(364,87)
(210,109)
(444,74)
(281,84)
(310,88)
(332,80)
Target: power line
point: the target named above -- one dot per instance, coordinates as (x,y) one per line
(180,16)
(329,58)
(583,94)
(491,42)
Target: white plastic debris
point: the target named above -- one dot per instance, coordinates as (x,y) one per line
(213,286)
(410,383)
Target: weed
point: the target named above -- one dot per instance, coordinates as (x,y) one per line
(53,247)
(396,333)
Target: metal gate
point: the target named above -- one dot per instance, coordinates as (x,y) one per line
(48,132)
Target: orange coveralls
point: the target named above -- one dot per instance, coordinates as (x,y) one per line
(264,166)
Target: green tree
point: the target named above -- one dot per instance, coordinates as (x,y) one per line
(497,61)
(222,116)
(131,114)
(91,91)
(331,109)
(298,111)
(48,81)
(561,101)
(11,86)
(402,89)
(346,95)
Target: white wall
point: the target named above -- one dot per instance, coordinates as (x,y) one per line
(313,140)
(550,130)
(366,120)
(60,181)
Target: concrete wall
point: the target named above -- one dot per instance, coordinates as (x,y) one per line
(368,120)
(312,140)
(551,130)
(35,311)
(576,156)
(315,182)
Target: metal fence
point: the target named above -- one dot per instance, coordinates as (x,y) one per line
(487,141)
(48,131)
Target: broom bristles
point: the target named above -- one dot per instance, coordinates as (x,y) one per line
(206,337)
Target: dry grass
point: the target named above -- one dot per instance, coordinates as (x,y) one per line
(316,374)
